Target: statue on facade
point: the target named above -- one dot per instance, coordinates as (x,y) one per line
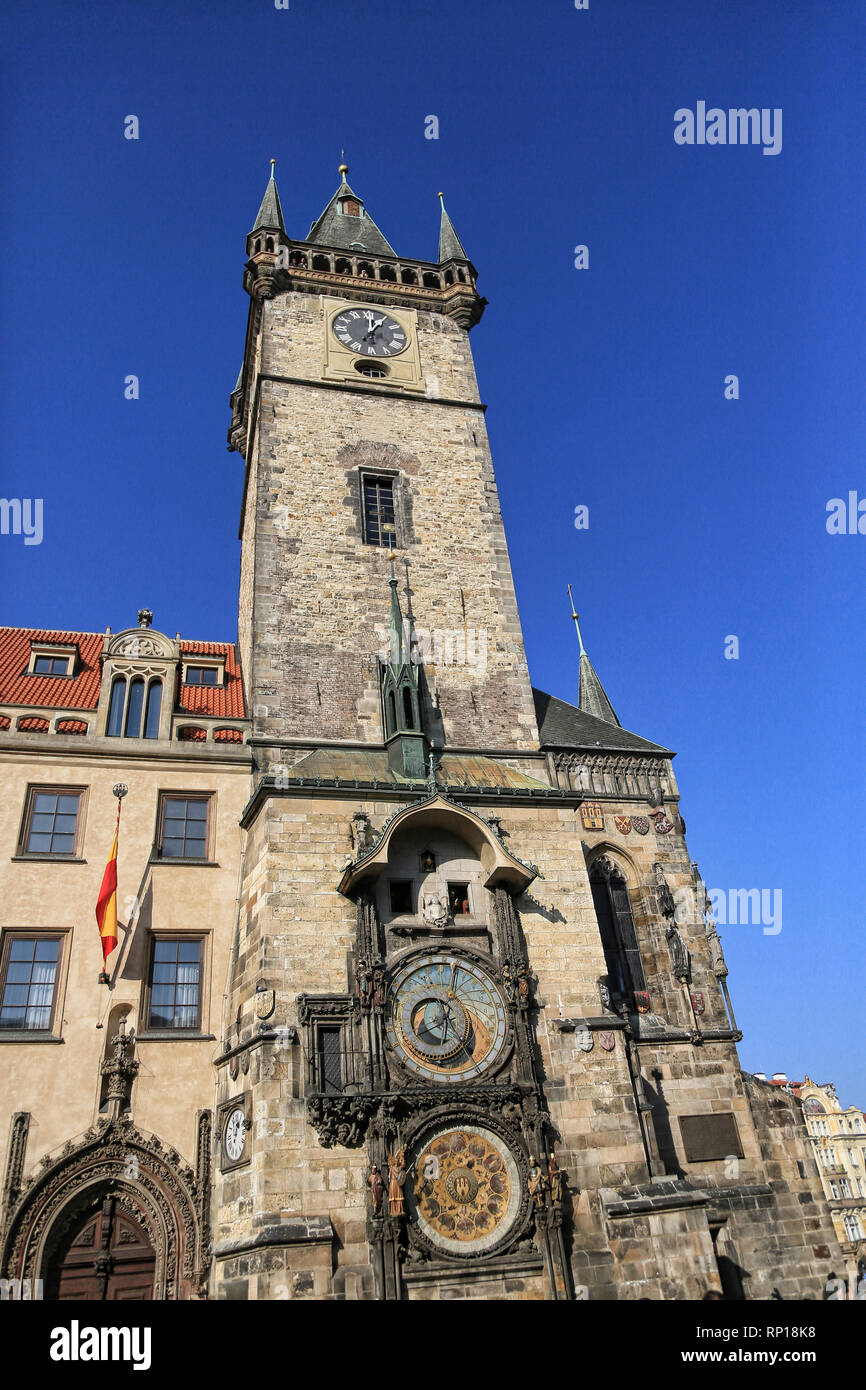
(537,1182)
(396,1179)
(376,1185)
(435,911)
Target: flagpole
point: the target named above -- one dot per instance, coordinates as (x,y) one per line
(119,790)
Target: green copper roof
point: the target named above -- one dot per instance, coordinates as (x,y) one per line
(450,245)
(346,231)
(270,214)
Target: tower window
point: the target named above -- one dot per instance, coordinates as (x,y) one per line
(378,498)
(401,896)
(458,899)
(376,369)
(408,712)
(329,1061)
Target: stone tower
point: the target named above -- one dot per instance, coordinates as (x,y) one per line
(477,1040)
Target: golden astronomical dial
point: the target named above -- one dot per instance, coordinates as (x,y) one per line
(464,1193)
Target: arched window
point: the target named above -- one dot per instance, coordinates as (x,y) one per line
(616,927)
(151,717)
(115,708)
(408,712)
(132,727)
(392,713)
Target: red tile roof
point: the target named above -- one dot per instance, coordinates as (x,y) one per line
(226,702)
(72,726)
(81,691)
(30,725)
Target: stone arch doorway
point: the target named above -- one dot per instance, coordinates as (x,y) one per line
(102,1255)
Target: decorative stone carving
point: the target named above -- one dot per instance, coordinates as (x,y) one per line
(15,1159)
(147,1178)
(341,1119)
(121,1070)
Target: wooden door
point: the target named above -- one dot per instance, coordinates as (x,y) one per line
(105,1256)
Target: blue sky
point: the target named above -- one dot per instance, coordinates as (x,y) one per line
(605,386)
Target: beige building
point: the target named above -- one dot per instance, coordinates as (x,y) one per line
(81,713)
(839,1143)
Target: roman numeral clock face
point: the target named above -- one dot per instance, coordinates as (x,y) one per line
(371,332)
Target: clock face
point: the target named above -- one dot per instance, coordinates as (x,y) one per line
(445,1018)
(464,1192)
(369,331)
(235,1134)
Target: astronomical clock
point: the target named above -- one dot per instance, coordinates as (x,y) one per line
(438,1071)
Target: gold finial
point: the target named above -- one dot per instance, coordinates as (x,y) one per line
(576,622)
(344,168)
(440,195)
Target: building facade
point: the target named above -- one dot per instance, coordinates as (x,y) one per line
(839,1143)
(469,1031)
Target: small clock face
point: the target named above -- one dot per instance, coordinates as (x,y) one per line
(445,1018)
(369,331)
(234,1134)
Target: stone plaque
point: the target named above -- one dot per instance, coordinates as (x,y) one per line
(710,1137)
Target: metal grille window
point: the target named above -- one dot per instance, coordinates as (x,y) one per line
(175,984)
(28,983)
(184,827)
(329,1065)
(378,500)
(52,821)
(616,927)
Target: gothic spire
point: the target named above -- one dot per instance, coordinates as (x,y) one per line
(450,245)
(397,638)
(345,223)
(592,698)
(270,214)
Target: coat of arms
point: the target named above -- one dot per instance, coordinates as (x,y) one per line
(607,1039)
(592,815)
(623,824)
(640,824)
(663,825)
(265,1002)
(642,1001)
(697,1002)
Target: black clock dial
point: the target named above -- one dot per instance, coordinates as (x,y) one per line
(369,331)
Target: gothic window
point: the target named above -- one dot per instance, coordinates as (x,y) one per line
(116,706)
(408,711)
(391,716)
(133,709)
(616,927)
(183,830)
(29,980)
(174,990)
(378,503)
(51,822)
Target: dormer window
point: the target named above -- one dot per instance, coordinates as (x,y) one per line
(51,659)
(203,672)
(350,207)
(134,708)
(51,666)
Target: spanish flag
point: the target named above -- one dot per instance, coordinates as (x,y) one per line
(106,903)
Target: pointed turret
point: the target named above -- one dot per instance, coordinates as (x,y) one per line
(269,217)
(592,698)
(450,246)
(345,223)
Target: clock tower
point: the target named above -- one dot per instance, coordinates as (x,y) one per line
(472,981)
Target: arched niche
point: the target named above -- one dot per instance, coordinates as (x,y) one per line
(496,865)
